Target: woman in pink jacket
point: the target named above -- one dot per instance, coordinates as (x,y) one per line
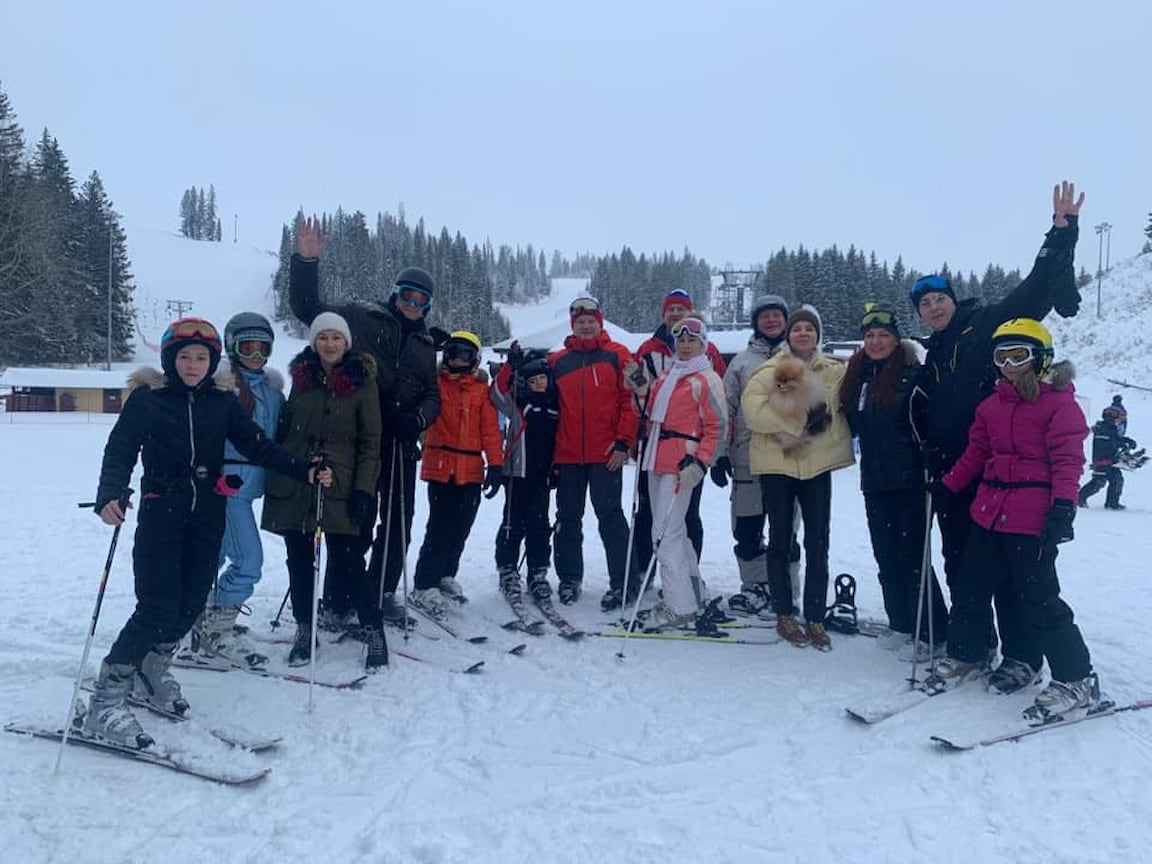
(1026,448)
(689,418)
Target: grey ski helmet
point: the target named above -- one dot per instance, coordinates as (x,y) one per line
(246,326)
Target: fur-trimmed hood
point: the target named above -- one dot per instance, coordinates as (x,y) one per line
(356,370)
(1061,375)
(154,379)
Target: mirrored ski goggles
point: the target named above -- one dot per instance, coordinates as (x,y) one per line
(689,328)
(584,304)
(930,283)
(192,328)
(253,349)
(459,351)
(877,318)
(413,295)
(1012,354)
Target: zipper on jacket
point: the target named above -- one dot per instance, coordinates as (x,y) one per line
(192,447)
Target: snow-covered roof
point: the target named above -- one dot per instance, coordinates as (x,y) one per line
(94,379)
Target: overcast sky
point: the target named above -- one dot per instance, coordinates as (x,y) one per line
(925,129)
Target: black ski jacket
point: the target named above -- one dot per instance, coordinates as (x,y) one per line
(179,435)
(958,373)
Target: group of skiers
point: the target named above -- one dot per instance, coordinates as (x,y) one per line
(986,426)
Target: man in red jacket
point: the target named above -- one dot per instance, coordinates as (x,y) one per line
(597,429)
(656,353)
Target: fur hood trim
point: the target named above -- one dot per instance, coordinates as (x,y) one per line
(1061,374)
(355,371)
(154,379)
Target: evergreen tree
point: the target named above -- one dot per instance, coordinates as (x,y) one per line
(17,282)
(101,236)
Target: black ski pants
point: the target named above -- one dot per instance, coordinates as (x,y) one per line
(642,530)
(345,563)
(1021,566)
(526,501)
(574,483)
(399,536)
(451,512)
(953,515)
(897,524)
(1113,477)
(175,558)
(780,495)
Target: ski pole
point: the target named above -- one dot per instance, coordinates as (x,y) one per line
(924,597)
(123,501)
(647,575)
(640,442)
(280,611)
(403,544)
(387,524)
(318,537)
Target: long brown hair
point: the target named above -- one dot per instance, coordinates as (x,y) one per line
(887,380)
(243,391)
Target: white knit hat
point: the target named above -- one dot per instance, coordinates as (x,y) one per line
(329,321)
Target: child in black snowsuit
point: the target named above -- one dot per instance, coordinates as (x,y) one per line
(177,422)
(524,392)
(1109,445)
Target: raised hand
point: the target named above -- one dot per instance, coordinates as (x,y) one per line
(309,243)
(1065,203)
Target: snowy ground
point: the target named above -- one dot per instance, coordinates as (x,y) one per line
(683,752)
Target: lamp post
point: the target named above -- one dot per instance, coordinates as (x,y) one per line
(1101,229)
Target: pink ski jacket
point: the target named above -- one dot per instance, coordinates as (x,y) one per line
(696,423)
(1026,455)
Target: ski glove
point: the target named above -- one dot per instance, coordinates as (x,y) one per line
(818,419)
(362,508)
(691,473)
(515,356)
(493,478)
(409,425)
(721,471)
(228,485)
(1058,527)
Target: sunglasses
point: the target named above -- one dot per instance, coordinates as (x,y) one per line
(1012,355)
(252,349)
(878,318)
(192,328)
(584,304)
(689,327)
(413,295)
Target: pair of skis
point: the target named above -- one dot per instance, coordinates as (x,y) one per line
(525,622)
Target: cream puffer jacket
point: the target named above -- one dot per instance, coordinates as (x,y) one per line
(826,451)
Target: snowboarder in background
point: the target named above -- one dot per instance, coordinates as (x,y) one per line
(1026,450)
(524,392)
(333,409)
(957,373)
(596,432)
(456,447)
(689,427)
(248,340)
(1109,447)
(654,355)
(177,423)
(875,393)
(395,334)
(769,320)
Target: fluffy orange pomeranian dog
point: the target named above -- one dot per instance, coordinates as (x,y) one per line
(796,390)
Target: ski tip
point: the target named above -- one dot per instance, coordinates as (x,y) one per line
(477,640)
(475,668)
(945,744)
(518,650)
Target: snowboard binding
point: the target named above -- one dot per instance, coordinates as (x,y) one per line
(841,615)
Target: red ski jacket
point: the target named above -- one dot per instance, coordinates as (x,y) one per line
(595,404)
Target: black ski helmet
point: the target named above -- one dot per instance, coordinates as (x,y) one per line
(245,326)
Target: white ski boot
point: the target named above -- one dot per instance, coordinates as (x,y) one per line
(215,634)
(1061,698)
(108,715)
(154,682)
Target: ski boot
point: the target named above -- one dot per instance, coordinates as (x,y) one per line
(510,584)
(1060,698)
(429,601)
(108,716)
(661,618)
(569,591)
(841,615)
(1010,676)
(154,682)
(451,590)
(301,652)
(393,613)
(751,599)
(214,633)
(538,585)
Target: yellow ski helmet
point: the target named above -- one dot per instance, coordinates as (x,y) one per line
(463,343)
(1026,331)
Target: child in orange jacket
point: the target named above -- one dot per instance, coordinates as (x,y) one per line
(456,447)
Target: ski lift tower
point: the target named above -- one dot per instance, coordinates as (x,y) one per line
(730,298)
